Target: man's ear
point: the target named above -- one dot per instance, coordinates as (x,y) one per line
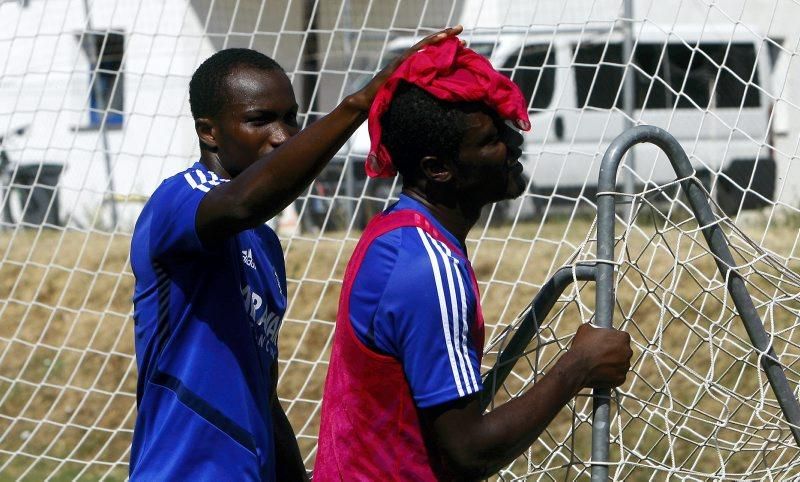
(206,131)
(437,169)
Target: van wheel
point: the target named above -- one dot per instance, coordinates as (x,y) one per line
(539,208)
(728,197)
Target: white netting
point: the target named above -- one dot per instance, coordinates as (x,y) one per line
(94,112)
(697,404)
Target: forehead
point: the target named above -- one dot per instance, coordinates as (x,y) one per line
(257,88)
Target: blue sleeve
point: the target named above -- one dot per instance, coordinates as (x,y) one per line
(368,288)
(174,210)
(427,312)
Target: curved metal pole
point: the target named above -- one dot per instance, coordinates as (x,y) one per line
(725,263)
(541,305)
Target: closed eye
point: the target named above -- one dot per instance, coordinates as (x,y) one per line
(261,118)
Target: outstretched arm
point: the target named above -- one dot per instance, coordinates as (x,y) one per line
(272,182)
(477,445)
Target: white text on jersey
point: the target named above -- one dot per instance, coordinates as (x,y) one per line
(265,326)
(247,258)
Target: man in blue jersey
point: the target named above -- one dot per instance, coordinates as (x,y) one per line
(404,376)
(210,289)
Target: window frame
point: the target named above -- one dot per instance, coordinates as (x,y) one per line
(105,76)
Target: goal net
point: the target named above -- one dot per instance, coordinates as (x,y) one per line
(94,113)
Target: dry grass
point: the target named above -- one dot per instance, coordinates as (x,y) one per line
(68,379)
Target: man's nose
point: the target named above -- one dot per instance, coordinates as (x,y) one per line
(281,134)
(515,138)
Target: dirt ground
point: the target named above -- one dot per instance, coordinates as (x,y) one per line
(696,399)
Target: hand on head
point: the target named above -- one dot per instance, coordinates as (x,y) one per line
(604,354)
(364,97)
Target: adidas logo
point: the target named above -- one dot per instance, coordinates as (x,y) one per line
(247,258)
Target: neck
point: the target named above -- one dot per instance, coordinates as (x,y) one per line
(454,216)
(213,164)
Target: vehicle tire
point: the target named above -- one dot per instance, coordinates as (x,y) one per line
(728,197)
(539,208)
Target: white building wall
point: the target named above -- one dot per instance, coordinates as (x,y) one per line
(45,83)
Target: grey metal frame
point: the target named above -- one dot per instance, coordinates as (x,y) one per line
(603,275)
(541,305)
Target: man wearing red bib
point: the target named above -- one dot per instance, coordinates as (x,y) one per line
(401,397)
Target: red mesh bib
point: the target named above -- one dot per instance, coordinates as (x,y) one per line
(370,427)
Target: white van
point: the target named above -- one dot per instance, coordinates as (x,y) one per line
(705,85)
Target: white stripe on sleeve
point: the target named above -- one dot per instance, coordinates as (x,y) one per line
(190,179)
(461,322)
(443,310)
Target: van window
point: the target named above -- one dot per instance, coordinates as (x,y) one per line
(482,48)
(652,91)
(714,69)
(533,71)
(711,75)
(598,75)
(107,97)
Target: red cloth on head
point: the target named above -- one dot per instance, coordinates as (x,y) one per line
(450,72)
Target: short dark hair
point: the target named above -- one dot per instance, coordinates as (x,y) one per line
(417,124)
(206,89)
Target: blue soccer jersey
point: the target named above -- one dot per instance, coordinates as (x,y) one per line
(206,325)
(413,299)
